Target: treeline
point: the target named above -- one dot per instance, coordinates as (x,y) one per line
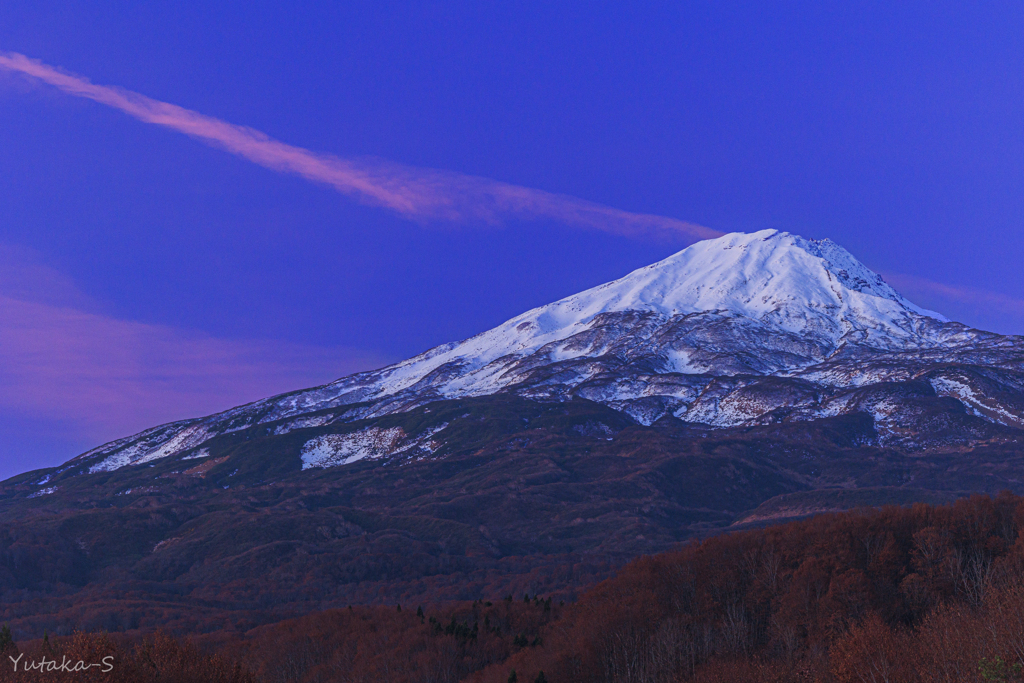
(901,595)
(391,644)
(896,595)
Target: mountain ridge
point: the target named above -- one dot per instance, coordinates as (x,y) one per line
(652,343)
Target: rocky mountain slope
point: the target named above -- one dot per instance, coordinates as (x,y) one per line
(741,330)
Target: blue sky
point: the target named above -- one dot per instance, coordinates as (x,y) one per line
(145,276)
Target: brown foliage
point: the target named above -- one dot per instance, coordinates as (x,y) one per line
(385,645)
(895,595)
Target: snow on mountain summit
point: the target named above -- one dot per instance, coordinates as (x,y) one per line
(812,291)
(812,288)
(797,284)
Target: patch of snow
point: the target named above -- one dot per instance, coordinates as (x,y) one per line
(43,492)
(164,543)
(679,361)
(424,442)
(201,453)
(981,406)
(142,452)
(331,450)
(840,405)
(303,423)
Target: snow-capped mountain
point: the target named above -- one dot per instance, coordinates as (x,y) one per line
(743,329)
(745,379)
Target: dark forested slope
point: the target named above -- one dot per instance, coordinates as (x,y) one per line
(528,497)
(903,595)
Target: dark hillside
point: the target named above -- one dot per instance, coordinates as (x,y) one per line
(899,594)
(523,496)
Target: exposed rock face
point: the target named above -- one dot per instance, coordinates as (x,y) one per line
(745,329)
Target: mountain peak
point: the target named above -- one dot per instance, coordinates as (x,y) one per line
(777,281)
(784,280)
(753,274)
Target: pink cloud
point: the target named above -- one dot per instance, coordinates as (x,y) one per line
(116,377)
(417,193)
(994,302)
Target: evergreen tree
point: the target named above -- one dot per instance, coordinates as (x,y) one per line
(512,678)
(998,670)
(6,639)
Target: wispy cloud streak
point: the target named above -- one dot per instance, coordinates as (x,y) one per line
(67,364)
(995,302)
(113,377)
(417,193)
